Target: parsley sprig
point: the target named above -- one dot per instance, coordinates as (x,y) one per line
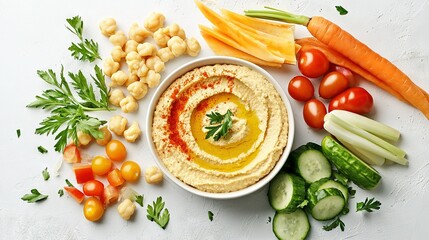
(86,49)
(337,222)
(66,110)
(223,121)
(155,213)
(369,205)
(34,196)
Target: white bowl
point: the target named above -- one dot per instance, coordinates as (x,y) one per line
(211,61)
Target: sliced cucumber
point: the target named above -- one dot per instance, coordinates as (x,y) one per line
(286,192)
(310,163)
(349,164)
(291,226)
(332,184)
(326,203)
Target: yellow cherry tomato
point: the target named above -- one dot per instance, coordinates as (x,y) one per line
(101,165)
(130,171)
(93,209)
(116,150)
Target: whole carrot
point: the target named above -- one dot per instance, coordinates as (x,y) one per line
(343,42)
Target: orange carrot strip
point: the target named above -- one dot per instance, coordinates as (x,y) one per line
(338,59)
(343,42)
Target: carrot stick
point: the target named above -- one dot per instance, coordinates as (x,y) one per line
(343,42)
(338,59)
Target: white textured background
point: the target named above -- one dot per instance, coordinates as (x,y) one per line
(33,37)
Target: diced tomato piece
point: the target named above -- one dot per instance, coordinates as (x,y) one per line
(75,193)
(110,195)
(83,173)
(115,178)
(71,154)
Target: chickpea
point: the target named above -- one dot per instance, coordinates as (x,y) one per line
(107,136)
(117,54)
(146,49)
(131,46)
(118,39)
(133,56)
(160,37)
(152,78)
(132,78)
(118,78)
(129,104)
(117,124)
(153,175)
(137,33)
(83,138)
(108,27)
(155,63)
(193,47)
(165,54)
(126,209)
(137,89)
(110,66)
(116,96)
(143,69)
(132,133)
(177,46)
(176,30)
(154,21)
(133,61)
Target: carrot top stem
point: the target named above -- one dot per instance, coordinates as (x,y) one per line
(279,15)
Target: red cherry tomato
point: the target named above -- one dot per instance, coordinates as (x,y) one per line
(332,84)
(300,88)
(314,111)
(353,81)
(93,188)
(312,63)
(355,99)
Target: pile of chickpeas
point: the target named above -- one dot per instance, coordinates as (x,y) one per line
(145,61)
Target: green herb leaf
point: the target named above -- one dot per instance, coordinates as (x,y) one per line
(45,174)
(66,111)
(35,196)
(155,213)
(86,50)
(222,129)
(61,192)
(341,10)
(337,222)
(139,200)
(210,213)
(18,132)
(69,183)
(351,191)
(42,149)
(369,205)
(269,220)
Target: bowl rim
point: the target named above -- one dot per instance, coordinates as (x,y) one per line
(206,61)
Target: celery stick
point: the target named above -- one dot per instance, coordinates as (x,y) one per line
(369,125)
(362,133)
(361,142)
(366,156)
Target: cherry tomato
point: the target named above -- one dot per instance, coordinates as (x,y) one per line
(101,165)
(75,193)
(353,81)
(130,171)
(116,150)
(93,188)
(115,178)
(71,154)
(314,112)
(93,209)
(300,88)
(110,195)
(355,99)
(332,84)
(83,172)
(312,63)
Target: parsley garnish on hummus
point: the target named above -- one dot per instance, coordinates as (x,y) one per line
(223,121)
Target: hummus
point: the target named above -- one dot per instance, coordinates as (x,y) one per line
(237,160)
